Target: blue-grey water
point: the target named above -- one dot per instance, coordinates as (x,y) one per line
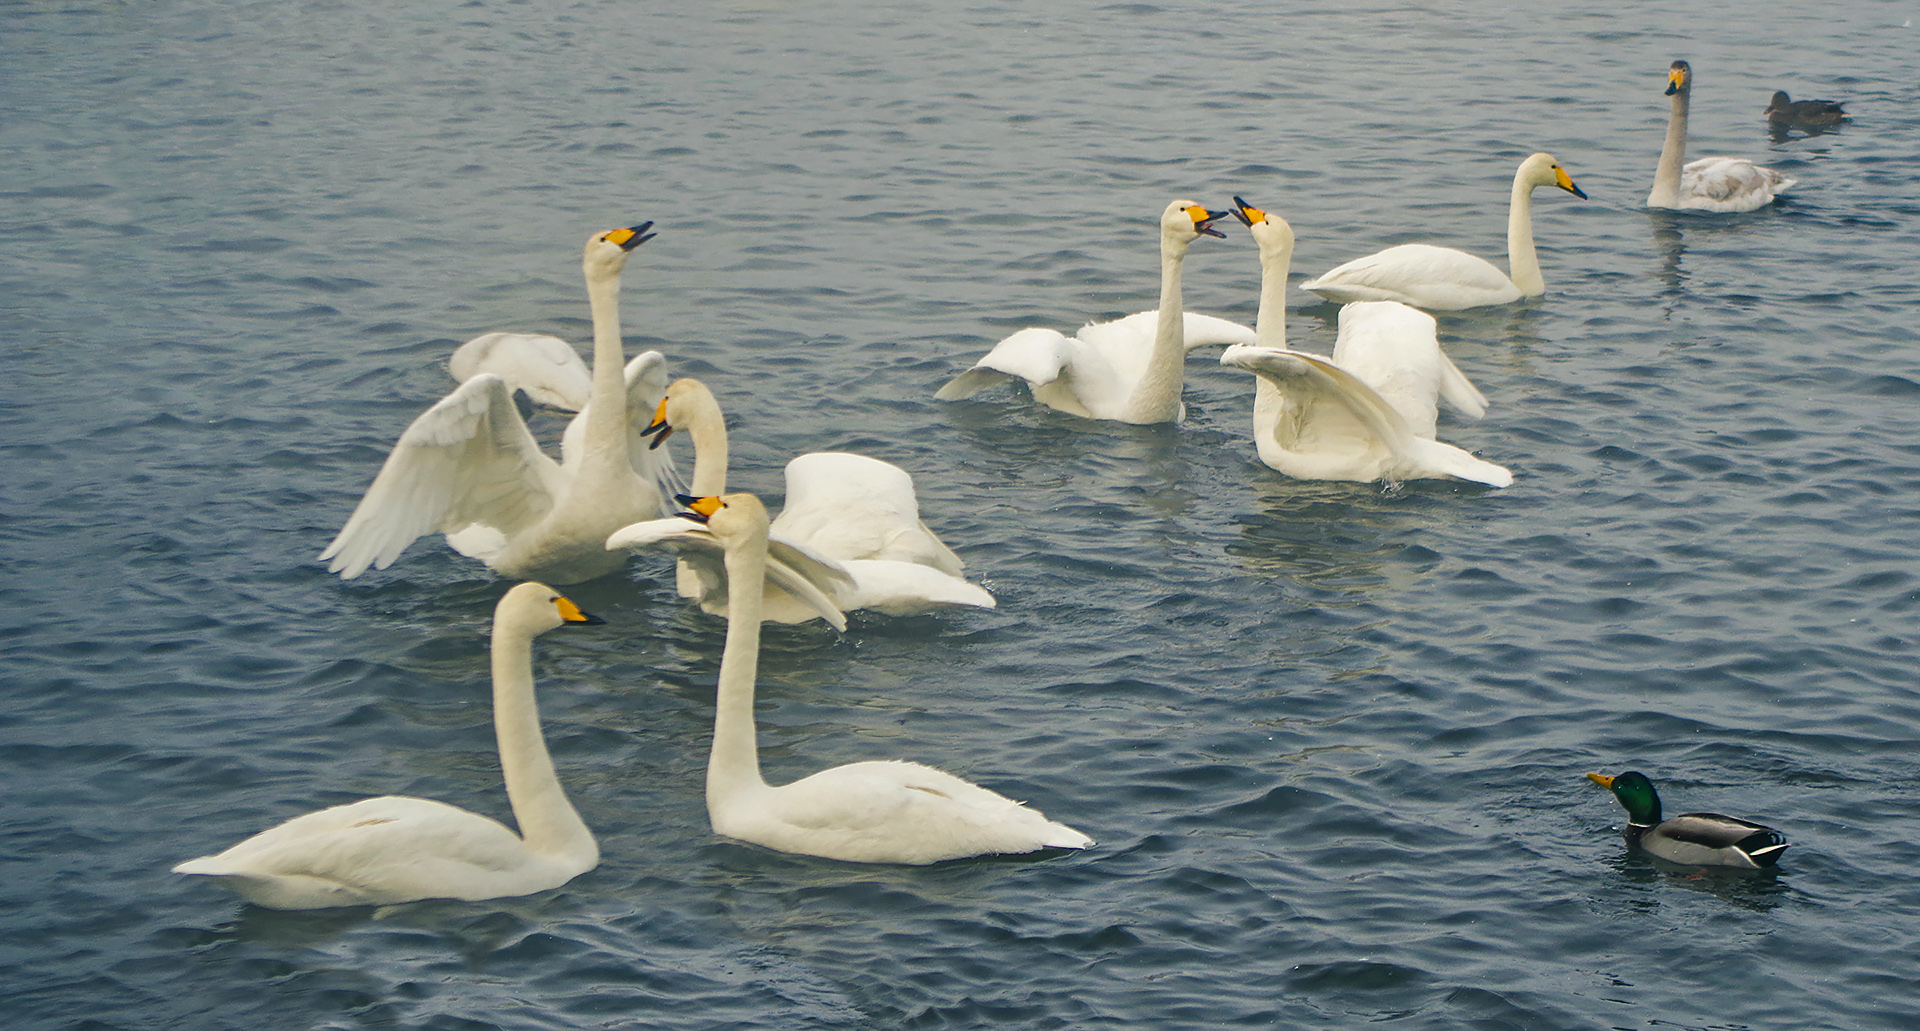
(1330,737)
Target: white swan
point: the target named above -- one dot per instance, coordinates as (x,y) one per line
(1444,279)
(382,851)
(1718,184)
(867,812)
(469,468)
(1128,370)
(1370,412)
(851,529)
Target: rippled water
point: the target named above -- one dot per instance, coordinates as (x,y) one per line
(1330,737)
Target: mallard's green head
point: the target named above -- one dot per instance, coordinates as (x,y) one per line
(1635,792)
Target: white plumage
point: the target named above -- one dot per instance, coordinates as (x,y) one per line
(469,468)
(1130,369)
(394,849)
(1445,279)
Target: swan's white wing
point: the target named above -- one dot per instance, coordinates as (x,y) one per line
(1206,331)
(848,506)
(1313,378)
(1459,391)
(1438,278)
(468,459)
(1729,184)
(907,588)
(646,377)
(813,580)
(1035,354)
(546,367)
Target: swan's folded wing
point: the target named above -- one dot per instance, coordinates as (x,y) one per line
(1732,184)
(468,459)
(1035,354)
(546,368)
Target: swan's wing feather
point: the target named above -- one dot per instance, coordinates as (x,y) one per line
(1419,274)
(1035,354)
(908,588)
(813,580)
(646,378)
(1299,372)
(1206,331)
(1459,391)
(468,459)
(546,368)
(673,532)
(1730,184)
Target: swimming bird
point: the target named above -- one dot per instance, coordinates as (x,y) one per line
(865,812)
(850,528)
(1716,184)
(1444,279)
(382,851)
(1369,412)
(1697,839)
(1128,370)
(1783,111)
(469,468)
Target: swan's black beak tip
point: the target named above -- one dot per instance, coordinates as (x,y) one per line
(1577,192)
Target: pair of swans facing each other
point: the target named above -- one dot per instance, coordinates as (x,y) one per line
(1721,185)
(849,537)
(1370,411)
(469,468)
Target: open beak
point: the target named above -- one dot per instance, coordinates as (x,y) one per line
(1247,213)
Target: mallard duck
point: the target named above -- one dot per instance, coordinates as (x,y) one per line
(1783,111)
(1697,839)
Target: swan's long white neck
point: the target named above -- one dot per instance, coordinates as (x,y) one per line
(1673,156)
(733,766)
(1157,396)
(1270,326)
(1523,265)
(707,428)
(548,822)
(606,430)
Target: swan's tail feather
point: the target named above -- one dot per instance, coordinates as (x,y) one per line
(1448,460)
(969,383)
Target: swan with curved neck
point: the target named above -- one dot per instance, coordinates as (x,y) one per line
(1722,185)
(1445,279)
(1369,412)
(851,527)
(469,467)
(865,812)
(1128,370)
(382,851)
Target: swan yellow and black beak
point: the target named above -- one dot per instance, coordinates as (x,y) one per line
(1565,182)
(630,237)
(699,509)
(571,613)
(1678,75)
(1203,221)
(1248,215)
(659,429)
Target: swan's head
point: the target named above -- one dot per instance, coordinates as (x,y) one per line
(1271,232)
(677,408)
(536,608)
(1186,221)
(731,518)
(607,252)
(1542,170)
(1679,77)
